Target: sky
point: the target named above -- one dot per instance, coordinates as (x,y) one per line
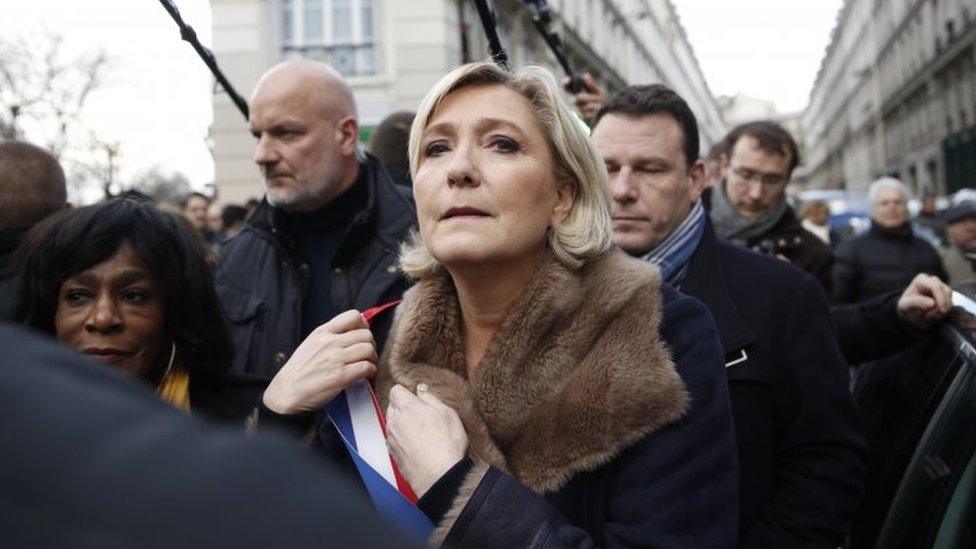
(157,103)
(768,49)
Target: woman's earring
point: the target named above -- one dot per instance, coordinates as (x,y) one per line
(172,358)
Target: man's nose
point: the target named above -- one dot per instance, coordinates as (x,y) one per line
(622,186)
(104,315)
(755,190)
(265,153)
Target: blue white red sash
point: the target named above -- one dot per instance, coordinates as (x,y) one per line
(357,417)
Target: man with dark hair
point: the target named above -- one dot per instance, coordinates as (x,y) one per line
(749,206)
(801,455)
(389,145)
(32,187)
(194,207)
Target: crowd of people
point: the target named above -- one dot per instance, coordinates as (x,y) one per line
(587,336)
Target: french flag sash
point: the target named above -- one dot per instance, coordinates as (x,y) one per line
(357,417)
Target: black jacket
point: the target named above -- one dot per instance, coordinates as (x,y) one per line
(262,276)
(871,329)
(801,452)
(789,239)
(882,261)
(92,458)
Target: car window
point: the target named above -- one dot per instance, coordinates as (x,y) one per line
(934,505)
(898,397)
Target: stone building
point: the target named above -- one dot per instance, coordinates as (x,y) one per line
(896,95)
(392,51)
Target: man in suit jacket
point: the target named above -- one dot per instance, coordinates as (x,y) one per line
(93,459)
(801,453)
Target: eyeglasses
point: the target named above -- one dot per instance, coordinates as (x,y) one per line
(746,174)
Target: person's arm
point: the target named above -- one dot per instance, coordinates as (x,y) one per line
(887,324)
(591,99)
(675,488)
(821,454)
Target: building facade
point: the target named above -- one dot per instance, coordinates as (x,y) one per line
(896,95)
(392,51)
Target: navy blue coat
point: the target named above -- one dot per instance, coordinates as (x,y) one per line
(693,490)
(801,450)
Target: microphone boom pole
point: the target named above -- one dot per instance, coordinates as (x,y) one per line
(188,34)
(542,19)
(488,21)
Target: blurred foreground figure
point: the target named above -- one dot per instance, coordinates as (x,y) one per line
(31,188)
(889,255)
(801,452)
(92,459)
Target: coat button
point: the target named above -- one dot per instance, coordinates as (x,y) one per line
(337,270)
(280,359)
(392,269)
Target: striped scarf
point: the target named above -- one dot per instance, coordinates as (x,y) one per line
(673,253)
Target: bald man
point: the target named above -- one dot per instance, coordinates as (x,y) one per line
(324,239)
(32,187)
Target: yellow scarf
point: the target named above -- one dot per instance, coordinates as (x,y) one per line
(175,389)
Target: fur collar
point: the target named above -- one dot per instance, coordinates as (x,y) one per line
(576,373)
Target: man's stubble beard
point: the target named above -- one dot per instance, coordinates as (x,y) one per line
(301,197)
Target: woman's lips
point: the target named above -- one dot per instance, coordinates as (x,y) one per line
(107,355)
(464,211)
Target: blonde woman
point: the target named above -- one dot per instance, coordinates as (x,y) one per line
(543,389)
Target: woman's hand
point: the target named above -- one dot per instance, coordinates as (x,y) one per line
(333,356)
(425,436)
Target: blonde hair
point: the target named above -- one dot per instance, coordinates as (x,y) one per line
(586,232)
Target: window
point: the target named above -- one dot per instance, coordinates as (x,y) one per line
(936,503)
(339,32)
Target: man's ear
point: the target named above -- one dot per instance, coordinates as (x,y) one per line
(347,135)
(723,165)
(696,180)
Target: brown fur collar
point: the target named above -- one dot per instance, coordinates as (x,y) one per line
(576,372)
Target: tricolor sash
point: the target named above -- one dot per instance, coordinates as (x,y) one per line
(357,417)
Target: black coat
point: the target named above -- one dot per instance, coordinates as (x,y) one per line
(882,261)
(93,459)
(262,276)
(871,329)
(801,452)
(789,239)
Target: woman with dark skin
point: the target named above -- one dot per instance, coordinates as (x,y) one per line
(128,285)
